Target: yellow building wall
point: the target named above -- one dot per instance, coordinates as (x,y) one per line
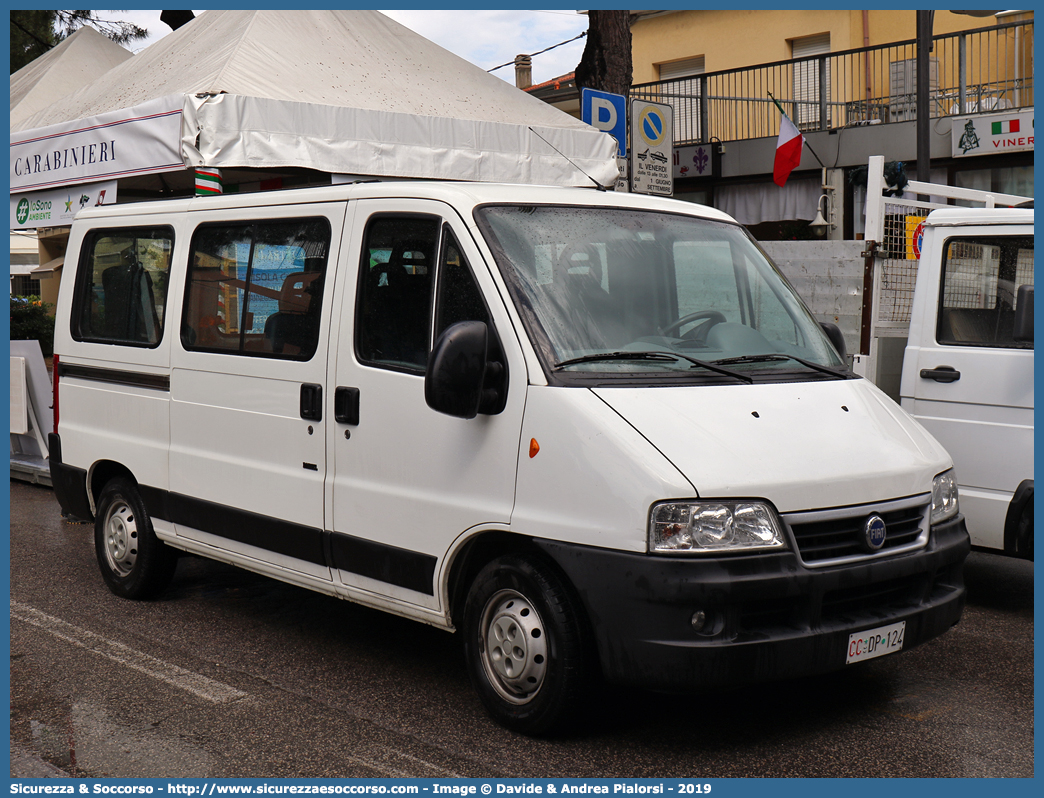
(732,39)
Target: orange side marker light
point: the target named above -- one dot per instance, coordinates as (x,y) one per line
(534,447)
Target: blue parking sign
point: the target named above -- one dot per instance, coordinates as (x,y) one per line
(607,112)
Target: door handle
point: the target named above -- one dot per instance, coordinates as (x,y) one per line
(312,401)
(346,405)
(941,374)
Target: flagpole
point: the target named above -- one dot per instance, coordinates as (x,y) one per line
(803,139)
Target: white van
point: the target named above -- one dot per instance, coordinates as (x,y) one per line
(968,368)
(597,433)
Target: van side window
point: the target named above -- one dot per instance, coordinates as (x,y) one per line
(256,288)
(980,286)
(396,280)
(121,289)
(459,297)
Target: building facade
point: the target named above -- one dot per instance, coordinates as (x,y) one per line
(848,80)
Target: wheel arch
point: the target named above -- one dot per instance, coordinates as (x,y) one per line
(472,555)
(99,475)
(481,548)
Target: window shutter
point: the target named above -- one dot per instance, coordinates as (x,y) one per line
(684,96)
(682,69)
(806,79)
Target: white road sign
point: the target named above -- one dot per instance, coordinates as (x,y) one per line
(652,148)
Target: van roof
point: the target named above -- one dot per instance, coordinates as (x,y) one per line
(459,195)
(944,217)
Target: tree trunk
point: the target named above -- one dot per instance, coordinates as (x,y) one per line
(175,19)
(606,62)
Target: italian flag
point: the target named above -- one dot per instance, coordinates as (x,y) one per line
(208,181)
(1007,126)
(788,149)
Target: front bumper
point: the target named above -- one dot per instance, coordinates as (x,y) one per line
(769,617)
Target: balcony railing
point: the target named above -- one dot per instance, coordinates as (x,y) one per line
(975,71)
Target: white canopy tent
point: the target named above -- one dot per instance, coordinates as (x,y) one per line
(77,61)
(341,92)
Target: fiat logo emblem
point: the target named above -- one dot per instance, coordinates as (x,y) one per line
(874,533)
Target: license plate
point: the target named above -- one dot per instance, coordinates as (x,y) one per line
(875,642)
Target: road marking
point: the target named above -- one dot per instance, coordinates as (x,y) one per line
(195,683)
(389,770)
(446,773)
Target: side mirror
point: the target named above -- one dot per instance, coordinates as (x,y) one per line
(837,338)
(1024,315)
(457,370)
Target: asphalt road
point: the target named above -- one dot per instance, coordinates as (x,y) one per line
(231,674)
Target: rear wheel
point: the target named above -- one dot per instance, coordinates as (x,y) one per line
(523,640)
(134,563)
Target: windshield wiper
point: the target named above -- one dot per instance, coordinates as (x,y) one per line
(768,358)
(661,356)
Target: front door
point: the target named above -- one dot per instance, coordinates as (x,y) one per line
(972,383)
(409,482)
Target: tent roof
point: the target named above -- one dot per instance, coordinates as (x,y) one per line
(349,92)
(78,60)
(357,59)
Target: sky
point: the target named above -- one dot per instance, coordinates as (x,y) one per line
(485,38)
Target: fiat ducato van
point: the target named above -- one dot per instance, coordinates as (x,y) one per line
(596,434)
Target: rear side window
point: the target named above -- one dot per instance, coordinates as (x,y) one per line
(256,288)
(121,291)
(980,287)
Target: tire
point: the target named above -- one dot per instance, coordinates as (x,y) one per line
(134,563)
(539,685)
(1025,534)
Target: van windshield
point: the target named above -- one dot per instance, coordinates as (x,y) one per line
(622,291)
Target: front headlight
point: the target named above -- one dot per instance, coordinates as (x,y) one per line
(713,526)
(944,497)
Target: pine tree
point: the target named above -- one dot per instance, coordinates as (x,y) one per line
(33,33)
(606,62)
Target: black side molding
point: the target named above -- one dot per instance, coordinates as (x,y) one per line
(159,382)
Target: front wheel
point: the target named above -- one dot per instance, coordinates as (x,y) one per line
(523,641)
(1024,536)
(134,563)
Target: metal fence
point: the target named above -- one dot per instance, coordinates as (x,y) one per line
(976,71)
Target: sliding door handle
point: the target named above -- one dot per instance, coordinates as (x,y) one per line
(312,402)
(346,405)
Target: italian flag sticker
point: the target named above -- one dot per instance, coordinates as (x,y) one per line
(1007,126)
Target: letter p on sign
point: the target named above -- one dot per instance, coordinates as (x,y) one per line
(604,114)
(607,112)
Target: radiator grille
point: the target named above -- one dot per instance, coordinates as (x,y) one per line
(831,536)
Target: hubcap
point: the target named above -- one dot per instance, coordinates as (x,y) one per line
(514,651)
(121,539)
